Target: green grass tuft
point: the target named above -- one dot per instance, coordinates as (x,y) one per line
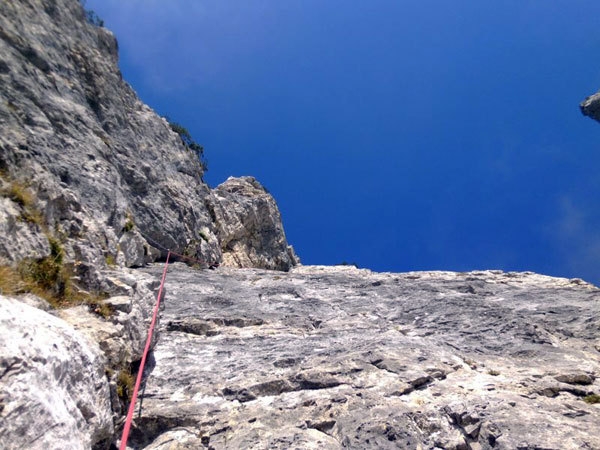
(592,399)
(129,224)
(125,384)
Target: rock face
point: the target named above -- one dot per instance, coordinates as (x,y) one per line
(89,172)
(336,357)
(106,174)
(59,369)
(591,106)
(307,357)
(53,388)
(250,229)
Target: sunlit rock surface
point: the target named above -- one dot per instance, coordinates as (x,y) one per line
(336,357)
(105,173)
(249,226)
(54,392)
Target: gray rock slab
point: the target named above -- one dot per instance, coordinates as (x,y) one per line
(336,357)
(53,389)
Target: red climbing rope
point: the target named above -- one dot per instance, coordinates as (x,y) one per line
(138,380)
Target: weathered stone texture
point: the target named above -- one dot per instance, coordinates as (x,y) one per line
(336,357)
(318,357)
(249,226)
(122,336)
(98,160)
(85,163)
(53,391)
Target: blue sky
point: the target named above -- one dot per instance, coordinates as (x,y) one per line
(400,135)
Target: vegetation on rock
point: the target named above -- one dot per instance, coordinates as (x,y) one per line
(51,279)
(110,260)
(592,399)
(125,382)
(189,142)
(20,194)
(129,225)
(91,17)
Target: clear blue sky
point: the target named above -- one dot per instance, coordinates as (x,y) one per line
(400,135)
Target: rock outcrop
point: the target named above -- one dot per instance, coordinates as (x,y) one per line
(53,386)
(104,172)
(249,226)
(336,357)
(60,370)
(591,106)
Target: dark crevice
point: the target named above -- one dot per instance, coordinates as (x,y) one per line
(467,423)
(208,327)
(278,387)
(10,366)
(196,327)
(324,426)
(147,429)
(211,211)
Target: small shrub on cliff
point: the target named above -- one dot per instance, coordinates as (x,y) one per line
(47,277)
(110,260)
(42,277)
(10,281)
(20,194)
(346,263)
(129,225)
(592,399)
(97,306)
(51,279)
(189,142)
(125,384)
(91,17)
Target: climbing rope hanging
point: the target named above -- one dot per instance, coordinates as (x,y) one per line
(140,374)
(138,379)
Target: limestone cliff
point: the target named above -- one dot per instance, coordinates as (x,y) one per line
(337,357)
(249,226)
(94,184)
(108,175)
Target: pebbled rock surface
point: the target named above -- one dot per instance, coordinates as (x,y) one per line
(336,357)
(53,389)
